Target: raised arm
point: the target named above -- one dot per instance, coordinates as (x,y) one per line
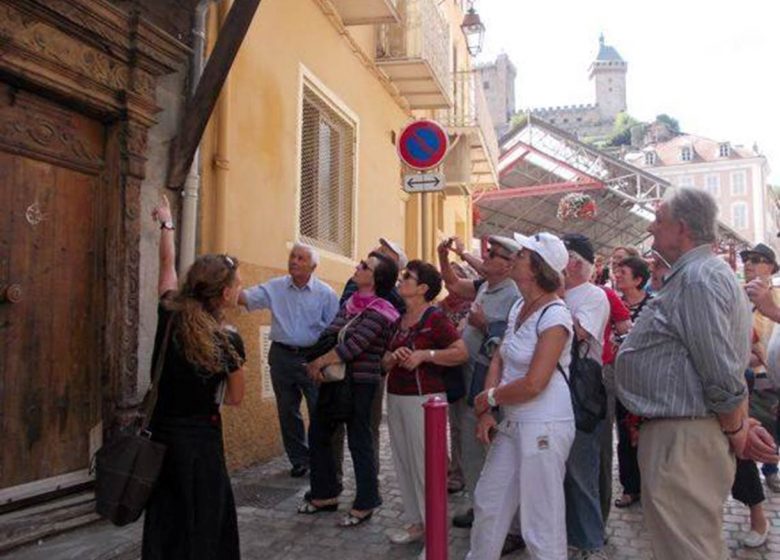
(167,280)
(458,286)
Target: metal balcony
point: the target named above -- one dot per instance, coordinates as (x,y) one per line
(363,12)
(470,118)
(415,54)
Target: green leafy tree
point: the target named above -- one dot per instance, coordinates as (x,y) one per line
(621,130)
(673,124)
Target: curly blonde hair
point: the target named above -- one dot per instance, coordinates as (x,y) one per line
(198,321)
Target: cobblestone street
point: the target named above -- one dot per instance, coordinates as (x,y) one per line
(271,529)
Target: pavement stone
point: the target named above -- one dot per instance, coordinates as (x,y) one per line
(271,529)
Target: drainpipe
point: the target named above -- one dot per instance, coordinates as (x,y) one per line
(221,157)
(189,203)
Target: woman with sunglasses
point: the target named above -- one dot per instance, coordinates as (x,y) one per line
(423,345)
(368,320)
(191,512)
(526,463)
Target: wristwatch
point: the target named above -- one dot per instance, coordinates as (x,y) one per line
(168,224)
(491,397)
(432,354)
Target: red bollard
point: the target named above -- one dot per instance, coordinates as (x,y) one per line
(436,479)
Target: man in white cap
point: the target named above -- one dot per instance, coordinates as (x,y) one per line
(492,300)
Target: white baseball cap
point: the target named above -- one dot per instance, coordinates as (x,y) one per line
(395,248)
(548,246)
(506,242)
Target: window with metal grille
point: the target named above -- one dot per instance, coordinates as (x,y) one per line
(327,176)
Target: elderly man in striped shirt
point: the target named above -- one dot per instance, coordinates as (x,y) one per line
(681,368)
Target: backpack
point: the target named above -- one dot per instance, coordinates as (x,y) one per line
(588,395)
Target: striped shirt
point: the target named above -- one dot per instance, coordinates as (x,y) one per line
(687,353)
(364,343)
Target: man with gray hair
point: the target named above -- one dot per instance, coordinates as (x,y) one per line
(681,369)
(590,310)
(301,307)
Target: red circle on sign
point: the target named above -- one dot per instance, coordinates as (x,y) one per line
(423,144)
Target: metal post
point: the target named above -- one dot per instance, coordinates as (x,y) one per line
(424,226)
(435,479)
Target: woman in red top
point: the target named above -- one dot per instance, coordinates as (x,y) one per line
(424,344)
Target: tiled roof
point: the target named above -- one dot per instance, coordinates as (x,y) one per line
(704,149)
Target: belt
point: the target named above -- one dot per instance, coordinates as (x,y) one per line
(293,349)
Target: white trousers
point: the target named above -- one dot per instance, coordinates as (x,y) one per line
(406,424)
(524,473)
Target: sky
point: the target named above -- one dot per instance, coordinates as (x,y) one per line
(712,65)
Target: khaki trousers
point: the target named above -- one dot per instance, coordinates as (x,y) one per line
(687,470)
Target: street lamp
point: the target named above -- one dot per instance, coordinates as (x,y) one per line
(474,30)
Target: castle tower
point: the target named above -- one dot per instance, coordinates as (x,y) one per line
(608,72)
(498,81)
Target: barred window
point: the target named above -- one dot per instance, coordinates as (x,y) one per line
(327,176)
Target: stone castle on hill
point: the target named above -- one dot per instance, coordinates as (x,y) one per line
(588,121)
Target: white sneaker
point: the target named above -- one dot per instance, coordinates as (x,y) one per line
(409,534)
(754,539)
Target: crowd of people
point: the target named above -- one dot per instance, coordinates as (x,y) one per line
(678,358)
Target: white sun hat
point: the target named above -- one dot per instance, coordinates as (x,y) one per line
(548,246)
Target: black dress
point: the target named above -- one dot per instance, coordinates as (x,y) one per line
(191,514)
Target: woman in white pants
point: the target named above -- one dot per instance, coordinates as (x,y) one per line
(526,464)
(424,343)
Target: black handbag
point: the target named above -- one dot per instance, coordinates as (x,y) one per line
(127,468)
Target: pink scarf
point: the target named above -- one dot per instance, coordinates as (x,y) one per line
(357,303)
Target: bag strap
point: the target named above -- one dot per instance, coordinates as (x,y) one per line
(558,365)
(150,399)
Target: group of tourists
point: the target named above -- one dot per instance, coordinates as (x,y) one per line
(530,337)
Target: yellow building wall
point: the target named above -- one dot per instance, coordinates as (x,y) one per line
(250,173)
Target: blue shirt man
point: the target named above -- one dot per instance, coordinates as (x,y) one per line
(301,307)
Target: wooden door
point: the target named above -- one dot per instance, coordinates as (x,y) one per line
(50,397)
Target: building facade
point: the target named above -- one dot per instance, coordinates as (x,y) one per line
(736,176)
(302,147)
(498,81)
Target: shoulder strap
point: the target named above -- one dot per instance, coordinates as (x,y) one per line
(558,365)
(150,399)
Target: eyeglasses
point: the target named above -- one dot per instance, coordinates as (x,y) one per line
(755,259)
(363,265)
(406,275)
(231,264)
(492,253)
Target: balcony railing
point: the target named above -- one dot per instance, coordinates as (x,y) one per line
(415,54)
(470,116)
(362,12)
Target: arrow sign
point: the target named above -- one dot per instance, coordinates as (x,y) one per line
(424,182)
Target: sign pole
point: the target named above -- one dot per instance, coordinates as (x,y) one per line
(424,225)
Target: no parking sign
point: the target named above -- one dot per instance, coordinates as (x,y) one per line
(423,144)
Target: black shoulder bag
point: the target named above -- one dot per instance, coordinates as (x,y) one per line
(127,468)
(588,396)
(454,384)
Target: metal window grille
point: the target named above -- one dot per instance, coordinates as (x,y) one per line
(327,176)
(267,388)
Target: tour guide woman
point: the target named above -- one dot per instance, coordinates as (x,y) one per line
(526,464)
(424,342)
(191,512)
(368,320)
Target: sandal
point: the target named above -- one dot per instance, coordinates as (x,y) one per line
(308,508)
(352,520)
(626,500)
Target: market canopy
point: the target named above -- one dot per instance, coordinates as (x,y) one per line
(540,164)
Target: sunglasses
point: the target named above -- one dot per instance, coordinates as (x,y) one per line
(231,264)
(492,253)
(406,275)
(363,265)
(755,259)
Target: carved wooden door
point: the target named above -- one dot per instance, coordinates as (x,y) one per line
(51,281)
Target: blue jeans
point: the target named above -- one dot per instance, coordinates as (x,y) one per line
(290,382)
(584,523)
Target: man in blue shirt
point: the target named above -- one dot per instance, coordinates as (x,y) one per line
(301,307)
